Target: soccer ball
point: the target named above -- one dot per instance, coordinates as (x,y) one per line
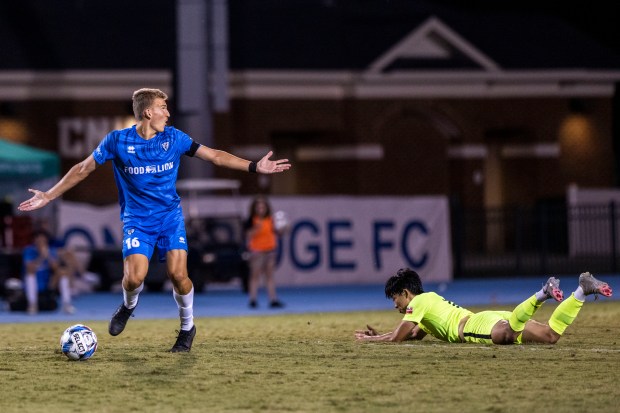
(78,342)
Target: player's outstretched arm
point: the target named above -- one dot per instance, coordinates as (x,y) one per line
(406,330)
(76,174)
(227,160)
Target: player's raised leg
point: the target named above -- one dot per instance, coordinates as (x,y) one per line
(566,312)
(524,311)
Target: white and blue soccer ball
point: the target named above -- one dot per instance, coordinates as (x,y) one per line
(78,342)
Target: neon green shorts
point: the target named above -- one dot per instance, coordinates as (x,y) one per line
(479,326)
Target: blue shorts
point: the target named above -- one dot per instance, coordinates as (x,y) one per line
(170,235)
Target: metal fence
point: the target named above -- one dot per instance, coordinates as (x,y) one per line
(548,239)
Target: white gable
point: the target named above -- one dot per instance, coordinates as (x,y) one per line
(432,61)
(432,40)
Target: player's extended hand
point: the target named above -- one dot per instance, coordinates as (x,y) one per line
(39,200)
(266,166)
(370,331)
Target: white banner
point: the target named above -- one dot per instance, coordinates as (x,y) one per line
(332,240)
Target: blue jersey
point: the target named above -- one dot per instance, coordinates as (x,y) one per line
(44,271)
(145,171)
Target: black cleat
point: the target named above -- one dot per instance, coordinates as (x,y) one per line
(119,319)
(184,341)
(276,304)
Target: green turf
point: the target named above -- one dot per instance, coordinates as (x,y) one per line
(310,363)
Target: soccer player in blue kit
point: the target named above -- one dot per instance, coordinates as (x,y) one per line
(145,160)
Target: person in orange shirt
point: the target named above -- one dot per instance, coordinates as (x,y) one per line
(262,242)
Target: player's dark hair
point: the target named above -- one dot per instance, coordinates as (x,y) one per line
(253,206)
(405,278)
(38,232)
(252,212)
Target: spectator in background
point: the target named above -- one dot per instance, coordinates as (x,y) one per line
(45,273)
(82,281)
(262,242)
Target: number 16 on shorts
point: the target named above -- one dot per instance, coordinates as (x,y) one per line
(136,242)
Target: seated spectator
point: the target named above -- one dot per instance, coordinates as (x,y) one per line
(44,274)
(82,281)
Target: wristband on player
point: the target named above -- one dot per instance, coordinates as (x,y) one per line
(252,167)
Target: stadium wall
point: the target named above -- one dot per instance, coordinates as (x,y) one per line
(331,240)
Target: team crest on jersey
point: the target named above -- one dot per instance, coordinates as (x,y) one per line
(131,149)
(165,145)
(409,310)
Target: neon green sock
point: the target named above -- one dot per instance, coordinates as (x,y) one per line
(523,312)
(565,314)
(519,339)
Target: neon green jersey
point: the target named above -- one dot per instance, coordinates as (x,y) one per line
(436,316)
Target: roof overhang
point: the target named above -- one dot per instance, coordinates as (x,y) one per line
(80,84)
(273,84)
(402,71)
(435,84)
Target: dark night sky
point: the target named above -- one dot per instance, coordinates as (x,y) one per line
(28,27)
(598,19)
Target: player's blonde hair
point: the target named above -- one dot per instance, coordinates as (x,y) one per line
(144,98)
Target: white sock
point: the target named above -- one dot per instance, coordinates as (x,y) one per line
(130,298)
(186,308)
(541,296)
(579,294)
(65,290)
(32,289)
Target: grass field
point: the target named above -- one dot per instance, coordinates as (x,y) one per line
(310,363)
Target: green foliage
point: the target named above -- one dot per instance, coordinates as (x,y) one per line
(309,363)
